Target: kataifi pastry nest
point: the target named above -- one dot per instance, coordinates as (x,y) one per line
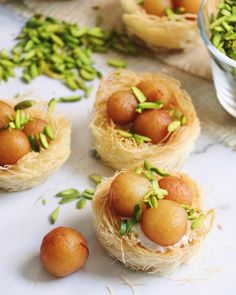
(34,168)
(177,32)
(121,153)
(128,249)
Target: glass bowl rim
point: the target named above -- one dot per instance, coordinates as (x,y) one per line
(216,52)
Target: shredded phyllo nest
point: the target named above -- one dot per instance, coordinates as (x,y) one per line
(118,151)
(168,32)
(126,245)
(36,166)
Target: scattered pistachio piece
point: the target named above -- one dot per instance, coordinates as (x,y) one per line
(67,192)
(69,99)
(96,178)
(81,203)
(117,63)
(54,215)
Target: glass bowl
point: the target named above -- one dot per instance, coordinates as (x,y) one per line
(223,67)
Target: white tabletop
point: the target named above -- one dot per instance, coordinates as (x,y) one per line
(24,220)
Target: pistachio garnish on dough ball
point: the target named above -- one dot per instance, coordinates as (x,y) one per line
(178,190)
(166,224)
(189,6)
(156,7)
(13,145)
(34,127)
(63,251)
(121,107)
(7,114)
(154,90)
(126,191)
(153,124)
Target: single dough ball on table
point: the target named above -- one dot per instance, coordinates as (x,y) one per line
(178,190)
(6,114)
(126,191)
(13,145)
(153,124)
(121,107)
(166,224)
(154,91)
(156,7)
(63,251)
(34,127)
(189,6)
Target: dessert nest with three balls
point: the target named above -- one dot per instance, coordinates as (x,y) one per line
(34,142)
(143,116)
(149,219)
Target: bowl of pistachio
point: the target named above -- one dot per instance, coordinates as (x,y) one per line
(217,27)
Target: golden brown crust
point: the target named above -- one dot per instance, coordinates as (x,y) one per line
(34,168)
(128,249)
(119,152)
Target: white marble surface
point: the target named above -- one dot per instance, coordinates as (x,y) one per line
(24,221)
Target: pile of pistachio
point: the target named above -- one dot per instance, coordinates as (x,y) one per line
(195,216)
(62,51)
(223,28)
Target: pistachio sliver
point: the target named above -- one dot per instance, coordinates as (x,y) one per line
(18,119)
(68,192)
(81,203)
(160,172)
(52,105)
(48,131)
(137,213)
(33,143)
(74,98)
(123,227)
(117,63)
(138,94)
(43,141)
(124,134)
(68,199)
(54,215)
(149,106)
(184,120)
(153,202)
(96,178)
(24,104)
(141,139)
(198,222)
(173,126)
(147,165)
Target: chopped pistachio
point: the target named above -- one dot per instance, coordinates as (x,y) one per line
(54,215)
(96,178)
(81,203)
(24,104)
(138,94)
